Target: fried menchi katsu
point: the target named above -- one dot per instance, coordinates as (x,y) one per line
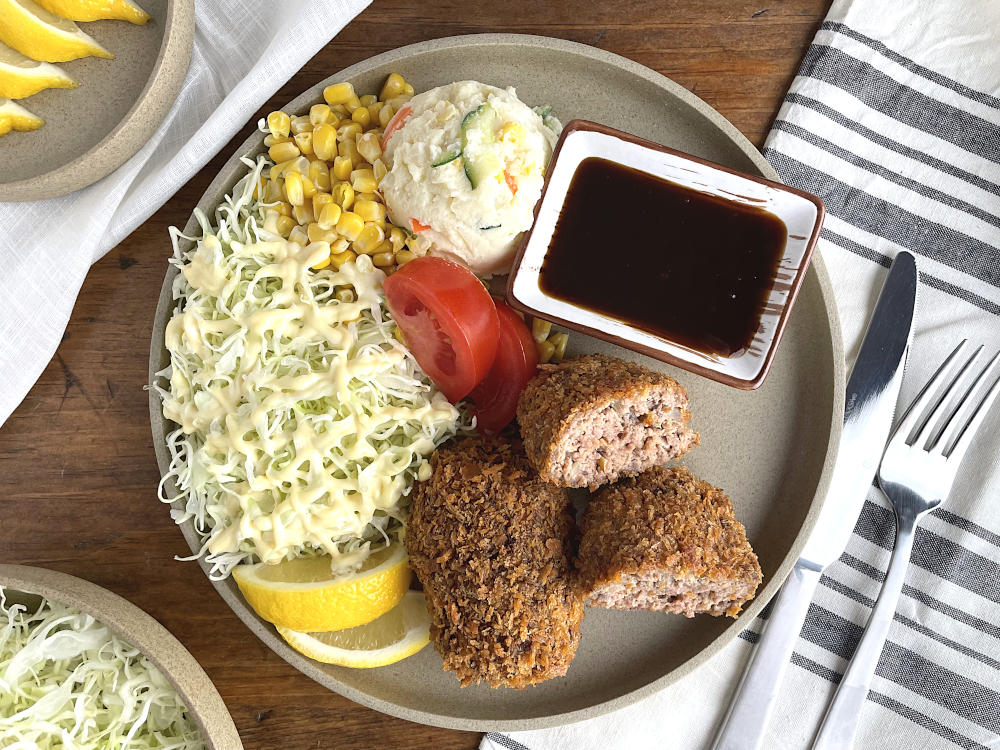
(596,418)
(490,542)
(666,540)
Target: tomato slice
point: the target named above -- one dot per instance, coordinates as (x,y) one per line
(448,320)
(396,123)
(495,398)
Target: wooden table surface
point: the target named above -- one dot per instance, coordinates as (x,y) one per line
(77,472)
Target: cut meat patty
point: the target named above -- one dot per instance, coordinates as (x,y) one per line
(490,542)
(596,418)
(666,540)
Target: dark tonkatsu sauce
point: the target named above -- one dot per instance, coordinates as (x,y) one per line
(683,265)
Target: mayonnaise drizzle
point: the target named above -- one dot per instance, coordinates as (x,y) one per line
(303,422)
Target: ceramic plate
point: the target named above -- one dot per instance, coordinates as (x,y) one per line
(142,631)
(92,130)
(771,449)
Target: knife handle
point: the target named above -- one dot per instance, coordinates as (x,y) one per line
(746,719)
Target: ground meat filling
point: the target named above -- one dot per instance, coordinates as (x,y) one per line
(594,419)
(666,540)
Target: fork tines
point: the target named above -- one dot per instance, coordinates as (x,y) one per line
(950,408)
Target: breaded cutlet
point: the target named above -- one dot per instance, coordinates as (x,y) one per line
(490,542)
(593,419)
(666,540)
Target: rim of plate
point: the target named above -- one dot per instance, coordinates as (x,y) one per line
(132,132)
(266,632)
(143,631)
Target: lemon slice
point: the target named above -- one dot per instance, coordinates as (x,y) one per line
(96,10)
(15,117)
(21,76)
(40,35)
(400,632)
(303,594)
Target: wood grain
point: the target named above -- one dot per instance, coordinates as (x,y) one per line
(77,473)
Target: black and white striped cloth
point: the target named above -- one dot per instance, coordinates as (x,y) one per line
(894,120)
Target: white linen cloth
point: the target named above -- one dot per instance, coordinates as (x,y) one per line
(244,50)
(894,120)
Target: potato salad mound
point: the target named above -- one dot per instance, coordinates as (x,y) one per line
(467,165)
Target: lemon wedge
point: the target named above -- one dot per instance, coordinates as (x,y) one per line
(21,76)
(40,35)
(15,117)
(303,594)
(400,632)
(96,10)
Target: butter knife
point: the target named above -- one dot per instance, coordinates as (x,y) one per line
(872,391)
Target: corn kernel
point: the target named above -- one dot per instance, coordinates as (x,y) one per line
(368,239)
(352,104)
(385,114)
(320,114)
(383,259)
(404,256)
(349,131)
(393,86)
(283,208)
(397,237)
(324,142)
(407,89)
(559,341)
(350,225)
(319,234)
(308,188)
(398,102)
(284,225)
(321,249)
(380,170)
(339,112)
(346,295)
(303,214)
(280,152)
(339,246)
(370,211)
(338,93)
(304,141)
(293,189)
(345,257)
(545,351)
(343,195)
(271,140)
(329,215)
(319,201)
(367,197)
(298,235)
(368,147)
(362,116)
(373,110)
(319,173)
(540,330)
(342,168)
(368,100)
(363,181)
(279,123)
(299,165)
(301,124)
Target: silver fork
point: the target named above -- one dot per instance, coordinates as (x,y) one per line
(916,474)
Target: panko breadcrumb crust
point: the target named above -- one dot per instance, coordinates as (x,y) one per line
(553,401)
(666,521)
(491,544)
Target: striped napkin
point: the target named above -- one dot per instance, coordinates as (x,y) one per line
(894,120)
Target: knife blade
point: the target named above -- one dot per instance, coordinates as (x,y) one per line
(870,404)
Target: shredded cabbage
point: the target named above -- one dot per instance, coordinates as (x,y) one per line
(67,681)
(303,422)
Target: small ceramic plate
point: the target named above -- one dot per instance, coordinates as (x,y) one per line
(800,213)
(142,631)
(771,449)
(92,130)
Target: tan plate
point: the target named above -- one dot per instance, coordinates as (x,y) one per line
(92,130)
(772,449)
(146,634)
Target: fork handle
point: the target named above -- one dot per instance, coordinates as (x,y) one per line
(746,719)
(841,721)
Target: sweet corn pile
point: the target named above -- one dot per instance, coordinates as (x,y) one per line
(323,186)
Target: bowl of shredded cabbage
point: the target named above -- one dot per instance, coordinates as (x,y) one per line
(82,667)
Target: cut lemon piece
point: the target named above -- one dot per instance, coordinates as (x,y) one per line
(15,117)
(96,10)
(41,35)
(400,632)
(303,594)
(21,76)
